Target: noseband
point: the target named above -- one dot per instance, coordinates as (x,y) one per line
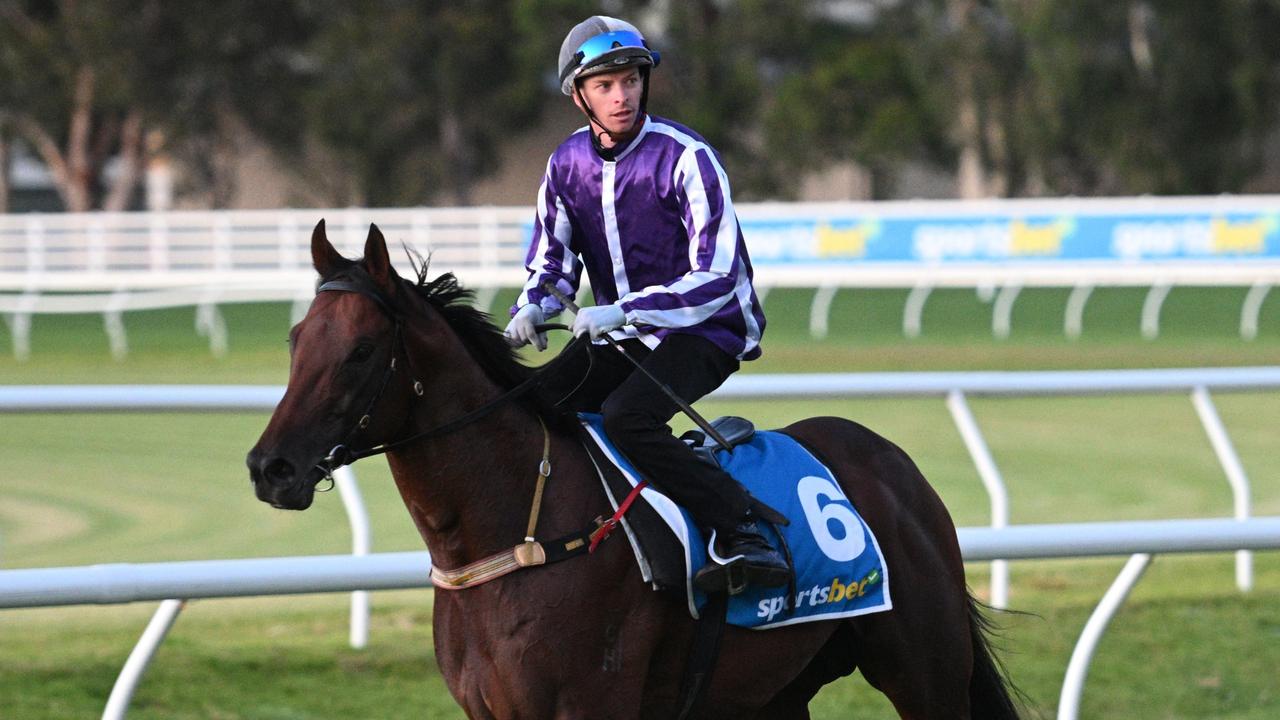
(342,454)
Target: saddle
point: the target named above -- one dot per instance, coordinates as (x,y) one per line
(838,575)
(735,430)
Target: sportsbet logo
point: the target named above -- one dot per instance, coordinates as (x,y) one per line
(817,595)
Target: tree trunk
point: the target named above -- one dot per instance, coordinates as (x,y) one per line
(71,170)
(79,177)
(47,148)
(997,143)
(4,163)
(1141,16)
(455,148)
(971,177)
(225,156)
(126,182)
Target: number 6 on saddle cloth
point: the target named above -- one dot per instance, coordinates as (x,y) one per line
(839,568)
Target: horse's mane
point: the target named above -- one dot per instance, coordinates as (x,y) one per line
(474,327)
(487,345)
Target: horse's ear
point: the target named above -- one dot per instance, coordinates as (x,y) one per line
(324,257)
(376,259)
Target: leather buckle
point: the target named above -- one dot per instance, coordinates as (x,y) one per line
(528,554)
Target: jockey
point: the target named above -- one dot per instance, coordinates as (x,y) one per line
(643,204)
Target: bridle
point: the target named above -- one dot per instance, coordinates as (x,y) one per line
(529,553)
(342,454)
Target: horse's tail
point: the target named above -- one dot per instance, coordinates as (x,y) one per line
(990,691)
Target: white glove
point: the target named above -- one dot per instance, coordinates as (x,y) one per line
(520,330)
(598,320)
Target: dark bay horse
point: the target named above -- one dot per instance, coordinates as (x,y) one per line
(381,360)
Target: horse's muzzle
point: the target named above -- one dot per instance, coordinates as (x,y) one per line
(277,482)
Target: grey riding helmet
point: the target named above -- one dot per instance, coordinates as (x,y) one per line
(601,44)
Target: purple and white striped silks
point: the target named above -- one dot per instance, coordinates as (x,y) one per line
(656,232)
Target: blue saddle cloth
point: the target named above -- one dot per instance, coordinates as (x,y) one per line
(840,571)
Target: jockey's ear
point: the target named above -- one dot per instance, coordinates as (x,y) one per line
(376,260)
(324,257)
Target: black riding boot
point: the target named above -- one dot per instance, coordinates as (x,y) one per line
(746,558)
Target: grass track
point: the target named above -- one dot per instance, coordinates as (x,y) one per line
(86,488)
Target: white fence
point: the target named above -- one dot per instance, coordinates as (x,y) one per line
(126,583)
(115,583)
(111,263)
(120,583)
(955,387)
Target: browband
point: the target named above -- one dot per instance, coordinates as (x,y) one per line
(362,289)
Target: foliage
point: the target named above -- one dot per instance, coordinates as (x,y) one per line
(390,103)
(1097,98)
(417,98)
(861,102)
(89,80)
(1152,97)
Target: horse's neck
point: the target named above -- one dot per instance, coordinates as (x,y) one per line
(469,492)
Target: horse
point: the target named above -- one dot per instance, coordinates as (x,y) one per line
(409,367)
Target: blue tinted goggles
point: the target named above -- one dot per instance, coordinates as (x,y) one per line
(604,44)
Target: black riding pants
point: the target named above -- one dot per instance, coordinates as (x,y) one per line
(636,414)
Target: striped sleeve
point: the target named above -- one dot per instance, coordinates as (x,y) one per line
(712,228)
(550,256)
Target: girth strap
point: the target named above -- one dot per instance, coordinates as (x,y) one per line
(703,654)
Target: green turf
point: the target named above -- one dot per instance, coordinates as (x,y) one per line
(90,488)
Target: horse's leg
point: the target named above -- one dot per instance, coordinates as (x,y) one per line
(919,653)
(568,641)
(920,661)
(837,658)
(790,704)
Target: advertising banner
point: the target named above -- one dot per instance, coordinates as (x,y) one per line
(942,240)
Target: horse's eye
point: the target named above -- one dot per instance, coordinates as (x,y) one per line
(361,353)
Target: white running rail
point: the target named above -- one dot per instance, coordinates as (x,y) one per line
(123,583)
(952,386)
(955,387)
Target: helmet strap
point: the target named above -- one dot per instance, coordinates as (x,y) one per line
(644,93)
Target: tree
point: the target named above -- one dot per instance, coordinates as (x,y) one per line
(68,73)
(86,82)
(1152,96)
(224,73)
(393,103)
(4,161)
(836,89)
(416,99)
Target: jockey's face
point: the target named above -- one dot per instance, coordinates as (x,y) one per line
(614,97)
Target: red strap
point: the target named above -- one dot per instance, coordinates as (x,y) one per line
(608,526)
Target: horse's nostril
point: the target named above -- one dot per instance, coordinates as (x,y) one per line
(278,470)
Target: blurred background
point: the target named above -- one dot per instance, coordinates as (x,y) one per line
(142,104)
